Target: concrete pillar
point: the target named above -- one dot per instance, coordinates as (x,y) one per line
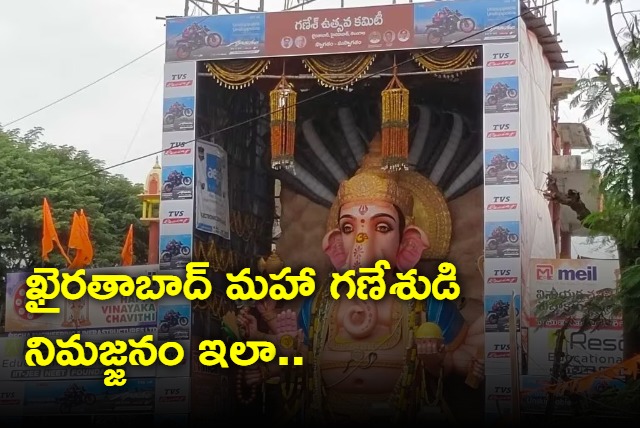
(154,242)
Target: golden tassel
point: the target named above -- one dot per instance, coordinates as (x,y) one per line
(395,124)
(283,125)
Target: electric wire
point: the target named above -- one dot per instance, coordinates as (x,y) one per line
(88,85)
(262,116)
(144,114)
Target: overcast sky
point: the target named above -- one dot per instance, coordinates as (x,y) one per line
(58,47)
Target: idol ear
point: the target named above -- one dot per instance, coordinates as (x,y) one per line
(414,242)
(333,247)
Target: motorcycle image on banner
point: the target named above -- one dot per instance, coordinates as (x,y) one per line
(178,114)
(195,37)
(501,95)
(175,251)
(502,239)
(497,313)
(502,166)
(446,22)
(177,182)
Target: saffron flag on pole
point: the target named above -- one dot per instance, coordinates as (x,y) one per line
(79,240)
(127,249)
(49,233)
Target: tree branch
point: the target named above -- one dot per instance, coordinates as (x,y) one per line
(571,198)
(616,42)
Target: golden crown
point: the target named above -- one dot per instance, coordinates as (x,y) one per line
(370,186)
(419,200)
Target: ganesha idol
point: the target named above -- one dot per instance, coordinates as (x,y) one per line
(376,360)
(386,360)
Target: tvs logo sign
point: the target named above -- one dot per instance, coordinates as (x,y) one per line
(546,273)
(502,276)
(501,59)
(176,217)
(501,130)
(501,203)
(178,148)
(499,351)
(178,80)
(500,393)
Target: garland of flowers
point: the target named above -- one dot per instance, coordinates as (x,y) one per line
(446,59)
(237,73)
(339,71)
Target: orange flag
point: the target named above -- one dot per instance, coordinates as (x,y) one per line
(127,249)
(80,241)
(49,234)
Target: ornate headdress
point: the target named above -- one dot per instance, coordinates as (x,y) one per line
(420,201)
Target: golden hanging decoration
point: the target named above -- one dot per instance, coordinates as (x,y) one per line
(283,125)
(445,60)
(339,71)
(395,124)
(237,73)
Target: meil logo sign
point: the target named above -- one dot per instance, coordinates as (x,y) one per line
(546,273)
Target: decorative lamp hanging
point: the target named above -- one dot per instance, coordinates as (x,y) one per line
(283,125)
(395,124)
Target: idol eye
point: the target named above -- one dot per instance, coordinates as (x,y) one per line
(347,228)
(383,228)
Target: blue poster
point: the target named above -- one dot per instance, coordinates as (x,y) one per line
(465,22)
(175,251)
(177,182)
(502,166)
(214,177)
(177,114)
(501,95)
(210,37)
(497,312)
(502,239)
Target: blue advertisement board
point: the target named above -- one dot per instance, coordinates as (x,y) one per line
(466,22)
(219,36)
(312,32)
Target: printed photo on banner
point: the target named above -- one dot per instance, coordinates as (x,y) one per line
(501,95)
(177,182)
(502,166)
(178,114)
(89,397)
(502,239)
(174,322)
(212,199)
(199,38)
(344,30)
(497,312)
(175,251)
(441,23)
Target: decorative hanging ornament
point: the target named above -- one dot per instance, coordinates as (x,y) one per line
(283,125)
(395,124)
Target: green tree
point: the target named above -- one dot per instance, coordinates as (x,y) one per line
(71,180)
(615,99)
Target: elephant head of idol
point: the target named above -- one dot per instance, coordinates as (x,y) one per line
(376,216)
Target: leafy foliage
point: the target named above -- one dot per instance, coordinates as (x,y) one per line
(71,180)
